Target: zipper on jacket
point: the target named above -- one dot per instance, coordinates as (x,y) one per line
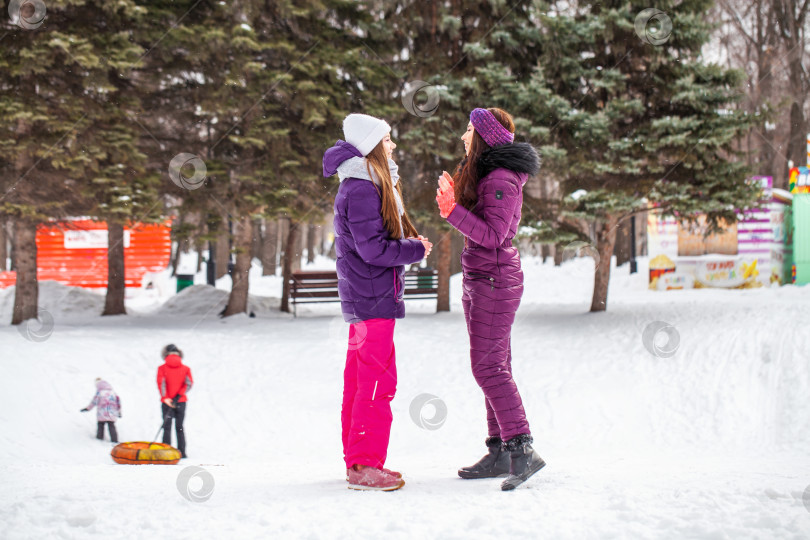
(476,275)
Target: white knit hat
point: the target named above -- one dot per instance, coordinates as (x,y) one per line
(364,132)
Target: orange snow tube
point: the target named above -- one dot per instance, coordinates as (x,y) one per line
(145,453)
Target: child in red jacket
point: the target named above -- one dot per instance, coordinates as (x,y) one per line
(174,380)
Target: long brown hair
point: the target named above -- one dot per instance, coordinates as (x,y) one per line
(466,178)
(378,160)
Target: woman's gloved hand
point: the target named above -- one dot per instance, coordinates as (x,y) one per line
(445,196)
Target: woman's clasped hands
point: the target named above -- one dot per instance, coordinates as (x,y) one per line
(425,242)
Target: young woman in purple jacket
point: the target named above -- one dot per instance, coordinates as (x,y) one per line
(374,239)
(483,201)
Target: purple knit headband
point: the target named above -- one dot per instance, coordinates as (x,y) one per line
(492,131)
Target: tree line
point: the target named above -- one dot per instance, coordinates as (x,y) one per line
(218,113)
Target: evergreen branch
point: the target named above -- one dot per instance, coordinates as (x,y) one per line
(47,153)
(577,104)
(383,62)
(169,30)
(276,83)
(484,36)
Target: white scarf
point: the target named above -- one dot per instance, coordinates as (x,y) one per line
(356,168)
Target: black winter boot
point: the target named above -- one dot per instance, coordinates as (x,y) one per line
(524,461)
(492,465)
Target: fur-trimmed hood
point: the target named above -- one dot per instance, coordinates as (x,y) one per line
(519,157)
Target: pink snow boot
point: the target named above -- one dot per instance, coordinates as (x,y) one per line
(388,471)
(373,479)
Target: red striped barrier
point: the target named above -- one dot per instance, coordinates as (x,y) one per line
(75,253)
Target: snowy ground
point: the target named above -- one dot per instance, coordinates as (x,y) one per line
(709,442)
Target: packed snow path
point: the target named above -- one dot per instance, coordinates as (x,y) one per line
(711,442)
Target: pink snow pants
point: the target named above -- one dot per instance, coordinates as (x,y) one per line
(369,385)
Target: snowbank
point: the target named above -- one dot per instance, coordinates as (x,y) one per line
(708,440)
(204,300)
(61,301)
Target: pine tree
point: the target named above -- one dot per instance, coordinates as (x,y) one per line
(458,54)
(255,85)
(60,125)
(633,118)
(116,181)
(326,66)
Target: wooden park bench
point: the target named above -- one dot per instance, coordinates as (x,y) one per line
(321,286)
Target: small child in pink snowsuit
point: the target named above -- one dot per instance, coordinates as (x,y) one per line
(108,409)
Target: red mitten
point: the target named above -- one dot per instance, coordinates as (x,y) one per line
(445,181)
(446,200)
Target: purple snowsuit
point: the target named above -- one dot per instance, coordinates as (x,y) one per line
(493,279)
(370,264)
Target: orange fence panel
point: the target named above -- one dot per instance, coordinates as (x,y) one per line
(75,253)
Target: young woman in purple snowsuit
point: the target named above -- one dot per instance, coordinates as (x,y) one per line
(483,201)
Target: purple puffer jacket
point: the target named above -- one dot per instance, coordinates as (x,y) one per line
(369,262)
(492,224)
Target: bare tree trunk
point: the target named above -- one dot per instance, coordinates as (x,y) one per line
(332,253)
(605,240)
(443,263)
(269,247)
(177,236)
(290,253)
(283,233)
(256,241)
(199,249)
(797,142)
(26,294)
(545,252)
(621,247)
(175,259)
(558,254)
(754,38)
(3,251)
(321,243)
(297,248)
(116,283)
(311,231)
(767,155)
(12,243)
(791,15)
(223,248)
(243,239)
